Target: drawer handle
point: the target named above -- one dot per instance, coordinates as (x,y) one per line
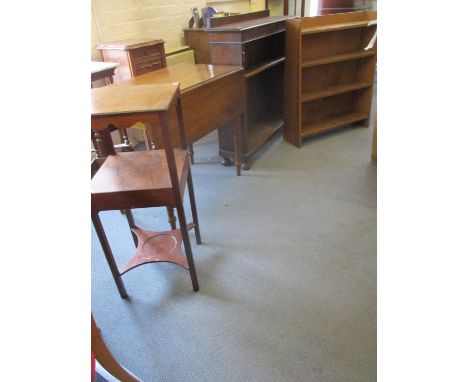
(150,65)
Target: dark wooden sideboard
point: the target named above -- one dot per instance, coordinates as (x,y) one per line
(258,45)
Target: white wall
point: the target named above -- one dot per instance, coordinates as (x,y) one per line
(113,20)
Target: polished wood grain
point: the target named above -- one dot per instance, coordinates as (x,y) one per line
(136,179)
(212,97)
(187,75)
(329,73)
(157,247)
(141,179)
(124,99)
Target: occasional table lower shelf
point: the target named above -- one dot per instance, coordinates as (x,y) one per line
(156,247)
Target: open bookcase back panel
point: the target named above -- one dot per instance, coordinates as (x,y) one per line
(339,42)
(264,50)
(326,107)
(363,103)
(318,77)
(366,69)
(264,94)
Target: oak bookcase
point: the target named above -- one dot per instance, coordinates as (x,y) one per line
(329,73)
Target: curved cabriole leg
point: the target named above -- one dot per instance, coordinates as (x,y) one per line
(108,253)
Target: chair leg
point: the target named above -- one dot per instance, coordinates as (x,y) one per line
(171,217)
(193,206)
(187,246)
(131,224)
(123,134)
(108,253)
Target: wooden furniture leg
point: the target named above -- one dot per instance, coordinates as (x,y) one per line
(108,253)
(175,185)
(193,206)
(191,155)
(95,145)
(105,357)
(131,224)
(171,217)
(187,245)
(125,140)
(237,142)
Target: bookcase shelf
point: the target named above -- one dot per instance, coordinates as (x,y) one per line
(329,73)
(334,90)
(338,58)
(334,27)
(261,131)
(331,122)
(256,69)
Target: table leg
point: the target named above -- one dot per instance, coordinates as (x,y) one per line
(171,217)
(238,142)
(191,155)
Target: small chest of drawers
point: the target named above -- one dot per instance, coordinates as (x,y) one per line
(134,57)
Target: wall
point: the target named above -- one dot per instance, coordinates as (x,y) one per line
(311,6)
(113,20)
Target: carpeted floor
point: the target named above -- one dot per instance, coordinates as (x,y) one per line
(287,272)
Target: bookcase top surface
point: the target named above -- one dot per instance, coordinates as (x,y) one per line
(337,21)
(249,24)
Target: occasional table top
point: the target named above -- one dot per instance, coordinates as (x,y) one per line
(188,75)
(98,66)
(125,99)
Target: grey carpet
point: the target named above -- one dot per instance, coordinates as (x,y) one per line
(287,272)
